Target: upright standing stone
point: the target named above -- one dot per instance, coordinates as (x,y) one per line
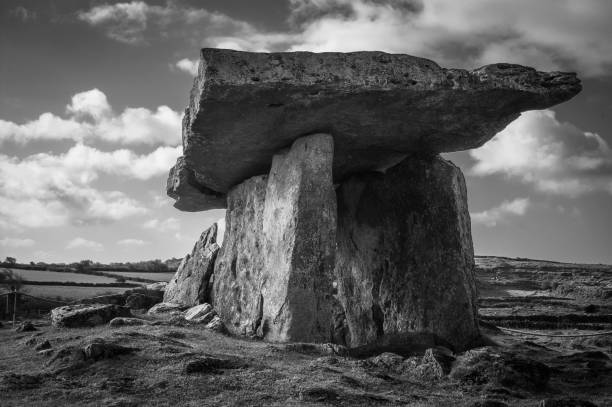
(404,260)
(299,228)
(273,274)
(190,284)
(239,269)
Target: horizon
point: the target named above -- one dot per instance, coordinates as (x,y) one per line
(92,95)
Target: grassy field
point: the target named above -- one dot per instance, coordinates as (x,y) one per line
(69,292)
(151,276)
(54,276)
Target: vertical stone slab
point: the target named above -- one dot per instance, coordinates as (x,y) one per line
(190,284)
(299,224)
(404,259)
(239,269)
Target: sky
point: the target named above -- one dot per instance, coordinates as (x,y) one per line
(92,93)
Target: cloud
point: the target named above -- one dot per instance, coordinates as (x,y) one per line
(44,190)
(16,242)
(135,22)
(162,225)
(553,156)
(547,34)
(491,217)
(188,65)
(81,243)
(24,14)
(132,242)
(91,118)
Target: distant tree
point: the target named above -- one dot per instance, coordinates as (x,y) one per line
(9,280)
(10,260)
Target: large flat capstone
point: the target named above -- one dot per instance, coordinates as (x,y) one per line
(245,107)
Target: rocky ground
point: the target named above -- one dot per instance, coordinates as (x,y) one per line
(182,365)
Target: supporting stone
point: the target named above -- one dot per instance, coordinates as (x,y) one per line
(191,283)
(273,274)
(404,259)
(299,228)
(239,270)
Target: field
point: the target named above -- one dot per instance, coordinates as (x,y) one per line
(60,277)
(521,303)
(69,293)
(150,276)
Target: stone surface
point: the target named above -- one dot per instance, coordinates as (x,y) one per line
(166,310)
(200,314)
(190,284)
(141,301)
(83,315)
(216,324)
(299,225)
(121,321)
(239,268)
(404,259)
(189,195)
(244,107)
(273,274)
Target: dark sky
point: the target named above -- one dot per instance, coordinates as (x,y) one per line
(91,94)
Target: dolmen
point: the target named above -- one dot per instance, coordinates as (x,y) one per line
(343,223)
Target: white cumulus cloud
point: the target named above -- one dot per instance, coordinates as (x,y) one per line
(82,243)
(188,65)
(491,217)
(132,242)
(553,156)
(91,118)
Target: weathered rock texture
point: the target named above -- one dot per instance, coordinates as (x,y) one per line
(404,259)
(239,269)
(190,285)
(82,315)
(273,274)
(245,107)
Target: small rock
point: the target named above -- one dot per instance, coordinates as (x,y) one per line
(566,403)
(43,345)
(386,360)
(45,352)
(25,326)
(166,310)
(216,324)
(159,286)
(436,363)
(82,315)
(200,314)
(122,321)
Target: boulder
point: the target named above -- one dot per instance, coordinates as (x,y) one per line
(216,324)
(44,345)
(159,286)
(200,314)
(83,315)
(190,285)
(246,106)
(404,256)
(273,274)
(166,310)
